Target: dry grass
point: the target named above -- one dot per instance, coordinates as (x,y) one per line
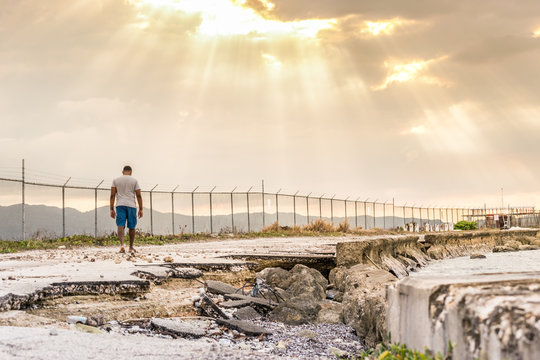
(344,226)
(319,226)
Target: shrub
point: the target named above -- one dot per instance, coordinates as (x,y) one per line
(319,225)
(402,352)
(466,225)
(271,228)
(344,226)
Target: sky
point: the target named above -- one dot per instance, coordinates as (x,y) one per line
(427,102)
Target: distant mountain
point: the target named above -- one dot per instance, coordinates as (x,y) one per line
(46,221)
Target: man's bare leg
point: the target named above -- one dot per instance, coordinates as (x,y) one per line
(131,239)
(121,237)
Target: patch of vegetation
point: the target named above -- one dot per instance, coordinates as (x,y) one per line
(318,227)
(466,225)
(402,352)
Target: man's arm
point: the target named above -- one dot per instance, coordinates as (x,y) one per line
(113,197)
(139,200)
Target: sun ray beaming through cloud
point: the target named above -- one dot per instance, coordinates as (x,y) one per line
(401,73)
(231,17)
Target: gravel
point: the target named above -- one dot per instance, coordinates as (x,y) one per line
(322,341)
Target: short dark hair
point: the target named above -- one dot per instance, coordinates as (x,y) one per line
(127,168)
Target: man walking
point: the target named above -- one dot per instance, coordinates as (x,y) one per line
(124,190)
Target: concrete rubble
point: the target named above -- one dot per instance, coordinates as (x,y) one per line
(298,311)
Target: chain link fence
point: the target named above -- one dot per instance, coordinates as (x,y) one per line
(38,209)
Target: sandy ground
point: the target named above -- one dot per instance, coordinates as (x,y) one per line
(37,343)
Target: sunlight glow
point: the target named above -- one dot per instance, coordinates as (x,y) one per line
(383,27)
(375,28)
(420,129)
(536,33)
(271,61)
(401,73)
(231,17)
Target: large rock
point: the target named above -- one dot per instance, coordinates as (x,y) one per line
(296,312)
(275,277)
(331,312)
(364,300)
(306,282)
(304,288)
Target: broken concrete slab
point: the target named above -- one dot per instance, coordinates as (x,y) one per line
(253,300)
(186,273)
(156,274)
(235,304)
(244,327)
(247,313)
(178,327)
(57,289)
(219,288)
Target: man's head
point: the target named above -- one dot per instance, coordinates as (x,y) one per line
(127,170)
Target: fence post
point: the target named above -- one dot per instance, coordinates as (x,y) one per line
(232,210)
(277,206)
(419,227)
(172,207)
(247,200)
(374,216)
(193,210)
(95,208)
(64,208)
(384,215)
(365,213)
(356,213)
(294,207)
(320,206)
(307,207)
(262,194)
(345,201)
(211,213)
(412,212)
(22,204)
(393,214)
(152,212)
(332,209)
(404,214)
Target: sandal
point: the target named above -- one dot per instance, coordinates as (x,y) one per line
(132,250)
(122,250)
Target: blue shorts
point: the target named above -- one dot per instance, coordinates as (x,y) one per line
(124,213)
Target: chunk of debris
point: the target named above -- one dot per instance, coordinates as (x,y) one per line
(235,304)
(478,256)
(168,259)
(219,288)
(253,300)
(247,313)
(177,327)
(244,327)
(210,308)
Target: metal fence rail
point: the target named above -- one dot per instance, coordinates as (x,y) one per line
(210,211)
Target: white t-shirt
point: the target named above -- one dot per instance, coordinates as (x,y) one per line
(126,186)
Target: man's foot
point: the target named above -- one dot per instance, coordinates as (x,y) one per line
(122,250)
(132,250)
